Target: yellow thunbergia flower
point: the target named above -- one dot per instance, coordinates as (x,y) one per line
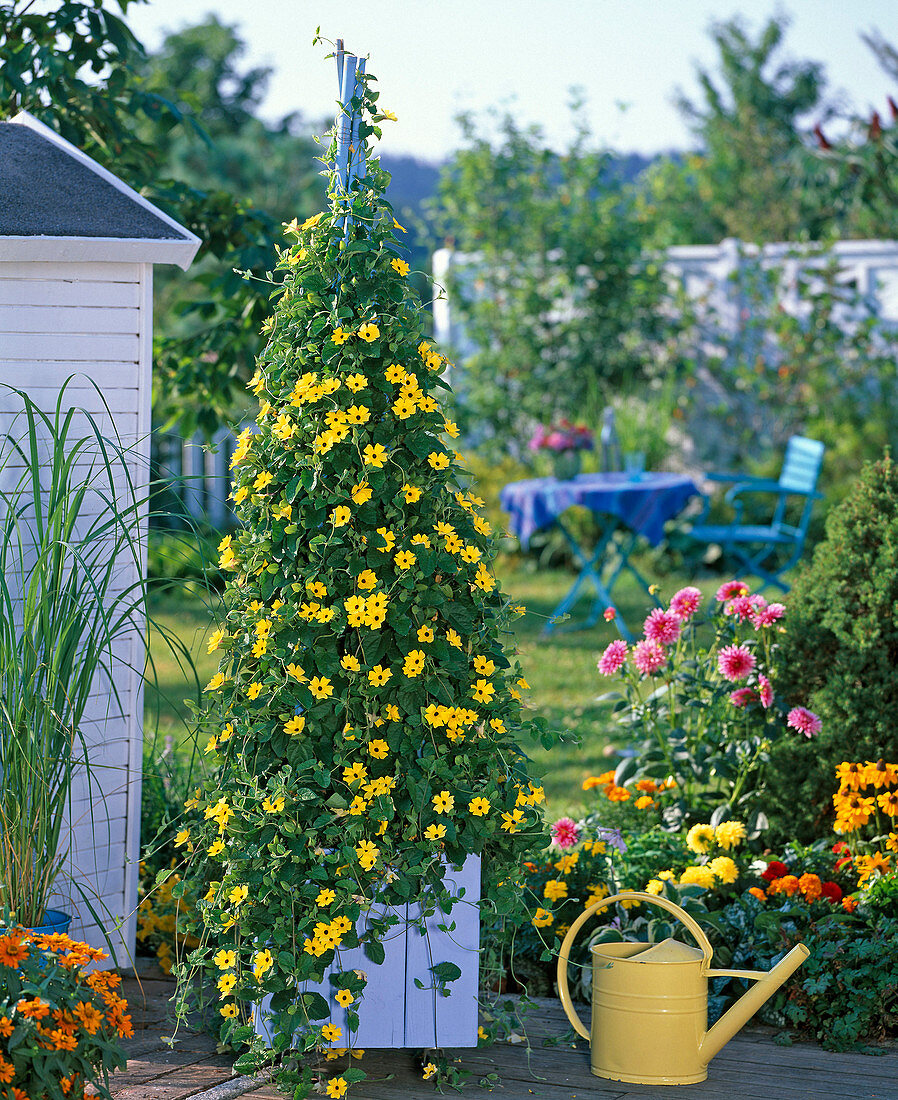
(483,666)
(389,539)
(358,414)
(414,663)
(349,662)
(430,1070)
(434,832)
(215,683)
(215,639)
(254,690)
(340,336)
(336,1087)
(182,837)
(229,1011)
(225,959)
(310,223)
(404,407)
(399,266)
(296,672)
(453,639)
(263,480)
(216,848)
(396,224)
(405,559)
(361,493)
(356,382)
(375,455)
(367,579)
(369,332)
(238,895)
(368,854)
(443,803)
(425,634)
(262,963)
(321,687)
(378,749)
(344,998)
(483,691)
(511,820)
(438,461)
(479,807)
(331,1032)
(273,806)
(394,373)
(542,918)
(451,428)
(483,580)
(226,983)
(379,675)
(341,516)
(354,774)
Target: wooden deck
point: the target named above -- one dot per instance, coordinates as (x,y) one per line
(751,1067)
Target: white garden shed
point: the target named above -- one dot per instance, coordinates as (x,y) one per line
(77,249)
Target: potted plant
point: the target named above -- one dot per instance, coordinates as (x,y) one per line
(366,717)
(565,443)
(60,1027)
(69,521)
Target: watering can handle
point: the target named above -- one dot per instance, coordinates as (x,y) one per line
(629,895)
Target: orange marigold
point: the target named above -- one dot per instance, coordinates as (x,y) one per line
(788,885)
(616,794)
(811,886)
(757,892)
(849,904)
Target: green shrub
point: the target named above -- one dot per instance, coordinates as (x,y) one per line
(840,652)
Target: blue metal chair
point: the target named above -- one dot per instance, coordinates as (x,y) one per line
(769,550)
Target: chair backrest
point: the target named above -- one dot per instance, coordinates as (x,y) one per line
(801,466)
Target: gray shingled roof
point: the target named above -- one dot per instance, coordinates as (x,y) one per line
(45,192)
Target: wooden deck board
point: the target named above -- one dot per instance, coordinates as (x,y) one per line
(751,1067)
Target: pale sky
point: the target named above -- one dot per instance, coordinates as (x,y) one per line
(436,57)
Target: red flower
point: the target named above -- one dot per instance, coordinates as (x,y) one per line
(775,869)
(832,891)
(840,846)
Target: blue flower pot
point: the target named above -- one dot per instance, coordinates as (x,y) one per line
(54,921)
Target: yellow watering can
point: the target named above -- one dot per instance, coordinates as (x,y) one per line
(650,1002)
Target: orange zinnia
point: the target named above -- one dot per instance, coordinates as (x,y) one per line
(36,1009)
(12,951)
(89,1016)
(62,1041)
(5,1027)
(7,1071)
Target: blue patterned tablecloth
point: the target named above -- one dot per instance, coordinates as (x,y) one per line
(643,504)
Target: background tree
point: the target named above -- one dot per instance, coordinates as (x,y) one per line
(78,68)
(754,174)
(557,296)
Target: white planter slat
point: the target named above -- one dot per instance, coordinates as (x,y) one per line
(394,1012)
(78,348)
(92,320)
(60,292)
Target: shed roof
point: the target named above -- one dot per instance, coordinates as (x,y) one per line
(56,203)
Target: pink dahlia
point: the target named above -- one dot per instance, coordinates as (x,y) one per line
(768,615)
(662,626)
(730,590)
(685,603)
(741,697)
(565,832)
(614,656)
(765,691)
(735,662)
(742,607)
(648,656)
(804,720)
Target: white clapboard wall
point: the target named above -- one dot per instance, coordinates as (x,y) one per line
(91,322)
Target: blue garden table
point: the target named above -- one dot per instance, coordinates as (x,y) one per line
(626,507)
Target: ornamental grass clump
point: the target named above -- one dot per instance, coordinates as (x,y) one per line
(60,1027)
(365,716)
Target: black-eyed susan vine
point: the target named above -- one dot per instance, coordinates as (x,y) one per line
(366,714)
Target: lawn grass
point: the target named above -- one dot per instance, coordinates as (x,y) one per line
(561,671)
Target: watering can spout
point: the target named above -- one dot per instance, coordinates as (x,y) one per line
(743,1010)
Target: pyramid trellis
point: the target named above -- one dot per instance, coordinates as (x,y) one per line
(365,715)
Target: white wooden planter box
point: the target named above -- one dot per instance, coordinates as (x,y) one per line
(394,1012)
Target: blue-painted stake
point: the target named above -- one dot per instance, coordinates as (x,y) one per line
(350,150)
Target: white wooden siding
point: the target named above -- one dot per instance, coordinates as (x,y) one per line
(91,323)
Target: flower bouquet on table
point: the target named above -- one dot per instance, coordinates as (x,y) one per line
(564,442)
(701,715)
(60,1028)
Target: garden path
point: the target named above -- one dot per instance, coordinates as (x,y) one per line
(751,1067)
